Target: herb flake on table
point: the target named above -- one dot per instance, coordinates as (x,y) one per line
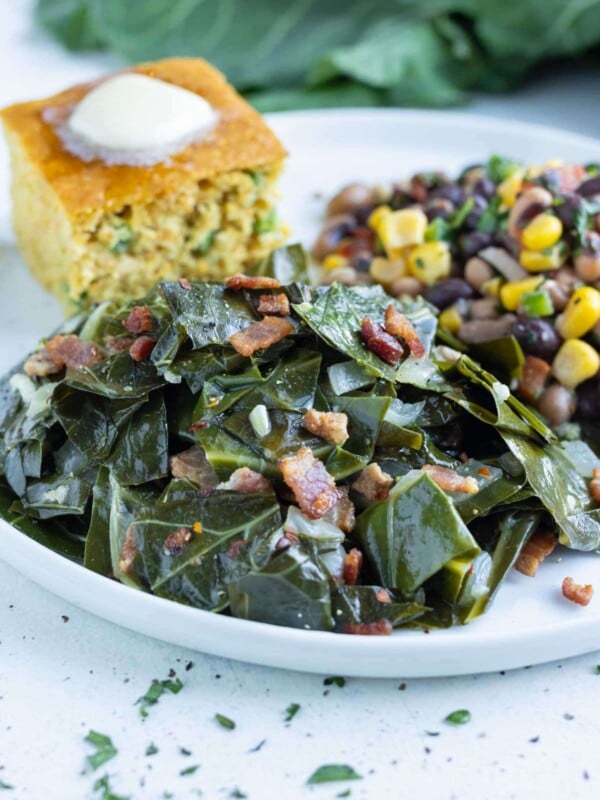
(105,749)
(334,772)
(5,786)
(291,711)
(225,722)
(189,770)
(103,785)
(152,749)
(459,717)
(336,680)
(237,794)
(155,692)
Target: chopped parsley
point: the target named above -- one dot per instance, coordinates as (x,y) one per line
(189,770)
(459,717)
(291,711)
(155,692)
(499,168)
(152,749)
(103,785)
(225,722)
(105,749)
(336,680)
(334,772)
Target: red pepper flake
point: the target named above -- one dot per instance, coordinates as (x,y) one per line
(196,426)
(484,472)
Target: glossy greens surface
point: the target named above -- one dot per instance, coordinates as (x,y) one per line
(86,462)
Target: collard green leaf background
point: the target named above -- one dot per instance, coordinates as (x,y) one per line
(310,53)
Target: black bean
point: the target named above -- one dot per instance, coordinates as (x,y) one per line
(444,293)
(335,229)
(438,209)
(485,188)
(567,209)
(473,216)
(504,240)
(361,261)
(471,243)
(455,194)
(588,399)
(590,187)
(362,214)
(537,337)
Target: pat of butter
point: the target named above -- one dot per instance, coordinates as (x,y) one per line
(135,119)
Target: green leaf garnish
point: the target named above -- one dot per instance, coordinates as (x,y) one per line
(459,717)
(155,692)
(334,772)
(152,749)
(103,785)
(105,749)
(291,711)
(225,722)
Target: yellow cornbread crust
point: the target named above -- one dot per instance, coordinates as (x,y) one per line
(90,231)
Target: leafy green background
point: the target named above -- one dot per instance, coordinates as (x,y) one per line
(317,53)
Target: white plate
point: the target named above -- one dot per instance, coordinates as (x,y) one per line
(529,622)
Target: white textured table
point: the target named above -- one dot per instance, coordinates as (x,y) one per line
(533,732)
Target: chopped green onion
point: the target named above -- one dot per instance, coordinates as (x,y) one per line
(438,230)
(260,421)
(225,722)
(459,717)
(291,711)
(334,772)
(266,224)
(123,239)
(537,304)
(499,168)
(457,219)
(105,749)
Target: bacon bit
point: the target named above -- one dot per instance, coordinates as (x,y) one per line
(142,347)
(261,335)
(576,592)
(117,344)
(449,480)
(342,514)
(240,281)
(175,542)
(383,596)
(595,486)
(274,304)
(373,483)
(383,627)
(313,487)
(197,527)
(399,325)
(380,342)
(418,188)
(484,472)
(352,566)
(236,548)
(329,425)
(71,351)
(534,377)
(245,481)
(193,465)
(196,426)
(41,364)
(140,320)
(534,551)
(287,540)
(185,284)
(129,551)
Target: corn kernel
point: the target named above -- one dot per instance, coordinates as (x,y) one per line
(542,261)
(575,362)
(508,190)
(512,292)
(386,272)
(450,320)
(430,261)
(492,287)
(581,314)
(334,261)
(377,215)
(400,229)
(543,231)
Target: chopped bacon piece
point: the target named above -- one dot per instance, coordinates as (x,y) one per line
(117,344)
(41,364)
(260,335)
(540,544)
(383,596)
(533,378)
(245,481)
(329,425)
(185,284)
(71,351)
(352,565)
(274,304)
(236,548)
(576,592)
(595,486)
(141,348)
(140,320)
(129,551)
(193,465)
(383,627)
(342,514)
(240,281)
(175,542)
(399,325)
(449,480)
(373,483)
(380,342)
(313,487)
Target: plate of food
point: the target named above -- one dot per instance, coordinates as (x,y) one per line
(372,449)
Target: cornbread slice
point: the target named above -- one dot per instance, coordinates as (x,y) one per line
(89,231)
